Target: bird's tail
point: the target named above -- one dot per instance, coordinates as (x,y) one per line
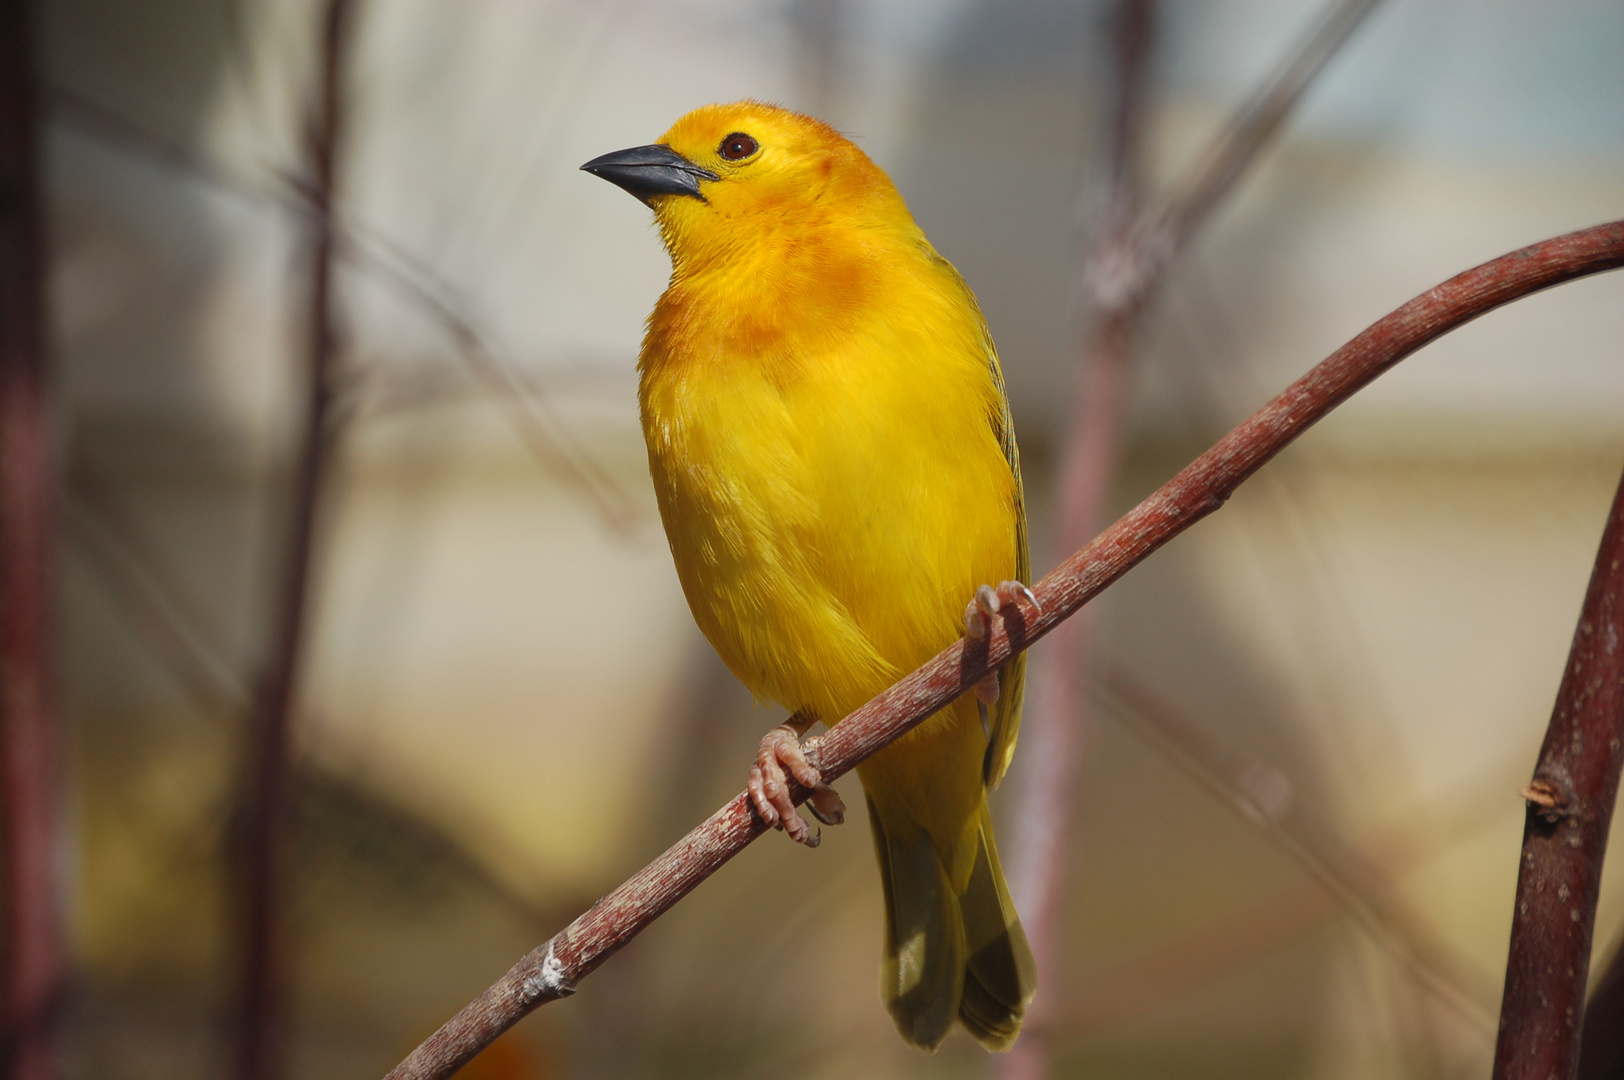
(950,954)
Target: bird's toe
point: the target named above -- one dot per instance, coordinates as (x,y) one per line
(780,758)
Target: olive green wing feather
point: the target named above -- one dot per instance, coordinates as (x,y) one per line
(1006,720)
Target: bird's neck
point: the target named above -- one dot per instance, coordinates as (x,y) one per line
(775,301)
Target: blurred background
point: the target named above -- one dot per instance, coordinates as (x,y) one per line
(1295,820)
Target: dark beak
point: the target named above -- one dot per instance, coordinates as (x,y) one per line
(646,171)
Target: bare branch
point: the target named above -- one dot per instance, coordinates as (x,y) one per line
(553,970)
(1057,721)
(260,1011)
(1129,258)
(31,981)
(1570,807)
(1250,129)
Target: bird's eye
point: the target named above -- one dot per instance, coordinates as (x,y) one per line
(737,146)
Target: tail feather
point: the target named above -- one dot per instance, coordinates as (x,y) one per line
(922,970)
(949,956)
(1000,975)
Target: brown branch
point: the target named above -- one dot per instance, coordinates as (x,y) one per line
(552,970)
(1129,260)
(260,1008)
(31,982)
(1250,130)
(1057,723)
(1570,806)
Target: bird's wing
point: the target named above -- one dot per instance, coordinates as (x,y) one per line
(1006,722)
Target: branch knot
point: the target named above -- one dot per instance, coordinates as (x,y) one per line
(548,982)
(1550,799)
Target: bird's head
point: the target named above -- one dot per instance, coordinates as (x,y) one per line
(727,176)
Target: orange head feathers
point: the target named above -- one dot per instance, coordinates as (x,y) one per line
(728,177)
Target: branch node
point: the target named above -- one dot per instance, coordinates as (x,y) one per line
(1551,798)
(548,982)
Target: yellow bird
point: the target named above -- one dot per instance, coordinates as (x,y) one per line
(832,452)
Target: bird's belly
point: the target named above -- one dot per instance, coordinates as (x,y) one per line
(743,534)
(826,547)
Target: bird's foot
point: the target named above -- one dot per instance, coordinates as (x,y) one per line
(782,756)
(978,615)
(988,601)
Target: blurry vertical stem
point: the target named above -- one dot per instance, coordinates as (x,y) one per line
(1055,728)
(29,746)
(261,1006)
(1570,806)
(1129,258)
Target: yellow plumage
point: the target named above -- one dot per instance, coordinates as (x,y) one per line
(831,449)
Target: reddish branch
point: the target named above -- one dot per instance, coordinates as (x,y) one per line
(1570,806)
(1131,255)
(32,977)
(260,1016)
(553,970)
(1057,721)
(1252,126)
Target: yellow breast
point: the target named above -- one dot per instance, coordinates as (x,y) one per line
(820,433)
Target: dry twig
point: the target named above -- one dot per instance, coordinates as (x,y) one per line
(1131,254)
(1056,722)
(265,796)
(1350,879)
(29,740)
(1570,806)
(552,970)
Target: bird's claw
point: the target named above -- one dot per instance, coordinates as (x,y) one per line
(989,601)
(825,804)
(1018,589)
(781,756)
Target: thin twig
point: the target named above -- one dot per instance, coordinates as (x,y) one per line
(260,1016)
(524,404)
(1128,261)
(1136,986)
(1268,799)
(31,982)
(1570,806)
(154,605)
(552,970)
(1251,128)
(1056,724)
